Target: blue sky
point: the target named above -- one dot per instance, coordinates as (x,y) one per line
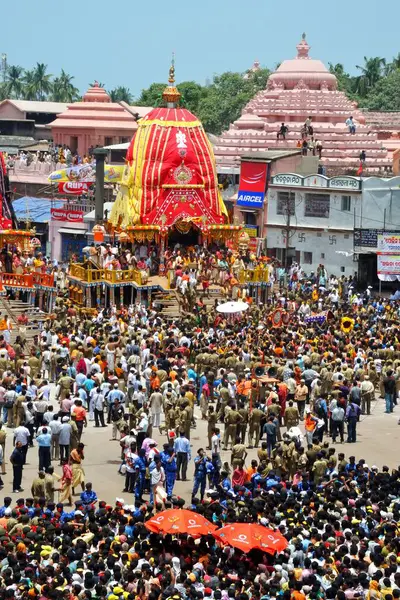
(130,43)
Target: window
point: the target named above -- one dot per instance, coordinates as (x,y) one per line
(319,234)
(317,205)
(307,258)
(346,236)
(342,269)
(322,254)
(346,203)
(285,201)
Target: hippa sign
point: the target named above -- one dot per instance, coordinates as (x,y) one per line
(253,177)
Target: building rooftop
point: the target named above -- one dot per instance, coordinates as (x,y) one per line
(36,106)
(269,155)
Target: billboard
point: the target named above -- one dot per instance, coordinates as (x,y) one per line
(388,242)
(73,187)
(69,216)
(253,179)
(388,264)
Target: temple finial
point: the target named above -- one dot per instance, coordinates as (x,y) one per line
(171,94)
(303,47)
(171,79)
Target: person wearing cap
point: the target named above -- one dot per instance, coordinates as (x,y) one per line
(200,474)
(168,462)
(367,390)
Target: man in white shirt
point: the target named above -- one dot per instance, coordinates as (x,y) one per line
(22,434)
(55,428)
(97,403)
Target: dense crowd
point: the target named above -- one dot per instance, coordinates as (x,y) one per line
(290,379)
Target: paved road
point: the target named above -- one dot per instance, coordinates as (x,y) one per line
(378,442)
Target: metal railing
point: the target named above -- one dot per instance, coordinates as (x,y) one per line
(256,275)
(109,275)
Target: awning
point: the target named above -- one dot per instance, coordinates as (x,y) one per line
(36,210)
(73,231)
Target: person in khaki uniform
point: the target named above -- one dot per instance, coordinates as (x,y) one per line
(238,455)
(38,489)
(254,426)
(319,468)
(242,427)
(291,416)
(65,382)
(35,364)
(232,420)
(18,409)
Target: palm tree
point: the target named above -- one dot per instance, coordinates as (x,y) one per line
(42,81)
(393,66)
(372,72)
(121,94)
(29,90)
(14,81)
(63,88)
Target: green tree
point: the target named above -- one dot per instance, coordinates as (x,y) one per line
(152,96)
(385,95)
(3,91)
(191,94)
(63,88)
(393,66)
(29,91)
(121,94)
(371,73)
(37,83)
(227,96)
(14,84)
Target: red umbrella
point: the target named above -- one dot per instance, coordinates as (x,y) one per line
(247,536)
(180,520)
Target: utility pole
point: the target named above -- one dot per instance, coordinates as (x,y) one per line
(287,227)
(4,66)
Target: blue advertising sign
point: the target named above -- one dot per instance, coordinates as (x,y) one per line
(251,199)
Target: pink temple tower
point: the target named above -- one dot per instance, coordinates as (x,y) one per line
(303,87)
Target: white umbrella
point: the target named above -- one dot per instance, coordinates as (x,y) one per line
(232,307)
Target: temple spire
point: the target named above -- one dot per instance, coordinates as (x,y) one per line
(171,93)
(303,47)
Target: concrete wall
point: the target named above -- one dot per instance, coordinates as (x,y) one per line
(380,204)
(9,111)
(326,248)
(322,237)
(55,236)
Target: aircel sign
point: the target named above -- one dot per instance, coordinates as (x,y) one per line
(253,177)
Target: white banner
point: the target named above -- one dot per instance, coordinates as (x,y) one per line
(388,264)
(388,242)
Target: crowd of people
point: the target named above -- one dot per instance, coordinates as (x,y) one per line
(286,384)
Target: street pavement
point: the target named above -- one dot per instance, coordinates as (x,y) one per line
(378,442)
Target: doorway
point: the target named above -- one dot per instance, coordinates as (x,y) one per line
(179,236)
(73,143)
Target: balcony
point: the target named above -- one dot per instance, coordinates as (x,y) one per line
(27,280)
(113,277)
(257,275)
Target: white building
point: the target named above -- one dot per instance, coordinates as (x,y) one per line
(323,214)
(318,215)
